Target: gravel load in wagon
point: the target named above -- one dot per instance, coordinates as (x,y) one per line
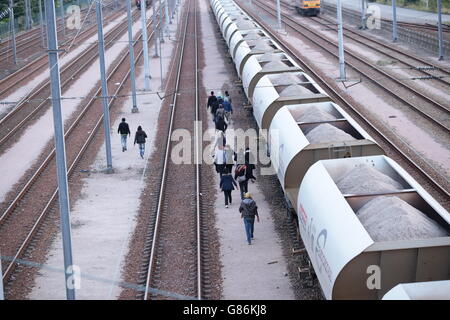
(263,46)
(269,57)
(326,133)
(364,179)
(281,79)
(295,90)
(253,35)
(389,218)
(315,114)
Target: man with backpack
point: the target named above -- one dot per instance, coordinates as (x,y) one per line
(249,210)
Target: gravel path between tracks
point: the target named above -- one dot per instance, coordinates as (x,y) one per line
(26,150)
(266,269)
(406,125)
(23,91)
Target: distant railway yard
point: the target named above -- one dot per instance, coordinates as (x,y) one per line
(224,150)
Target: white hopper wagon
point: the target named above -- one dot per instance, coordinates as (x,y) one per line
(292,153)
(242,36)
(348,262)
(431,290)
(273,91)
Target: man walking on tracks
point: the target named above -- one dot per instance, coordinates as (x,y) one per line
(139,138)
(124,130)
(249,210)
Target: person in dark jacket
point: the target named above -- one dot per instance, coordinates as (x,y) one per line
(226,184)
(124,130)
(213,103)
(249,210)
(139,138)
(221,124)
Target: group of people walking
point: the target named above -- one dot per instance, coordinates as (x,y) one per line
(226,159)
(139,137)
(221,109)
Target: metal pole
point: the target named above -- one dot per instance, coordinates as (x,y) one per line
(27,14)
(363,14)
(154,30)
(2,294)
(63,23)
(341,42)
(394,20)
(13,31)
(101,52)
(279,14)
(441,39)
(160,64)
(145,46)
(131,50)
(161,23)
(63,190)
(41,18)
(166,8)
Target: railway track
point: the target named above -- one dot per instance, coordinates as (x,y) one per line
(28,71)
(175,266)
(427,68)
(434,111)
(386,138)
(33,39)
(37,102)
(23,219)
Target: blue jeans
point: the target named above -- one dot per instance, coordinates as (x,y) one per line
(249,224)
(123,140)
(141,149)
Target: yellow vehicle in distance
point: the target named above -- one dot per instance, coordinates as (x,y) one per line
(308,7)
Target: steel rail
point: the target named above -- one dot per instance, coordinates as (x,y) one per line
(152,258)
(115,33)
(28,39)
(373,67)
(78,157)
(197,160)
(24,72)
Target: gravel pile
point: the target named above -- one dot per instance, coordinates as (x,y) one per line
(270,57)
(275,64)
(391,218)
(295,90)
(365,179)
(263,46)
(283,79)
(315,114)
(253,35)
(245,24)
(327,133)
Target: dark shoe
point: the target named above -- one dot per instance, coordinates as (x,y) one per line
(123,149)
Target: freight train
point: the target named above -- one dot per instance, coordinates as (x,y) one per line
(308,7)
(366,224)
